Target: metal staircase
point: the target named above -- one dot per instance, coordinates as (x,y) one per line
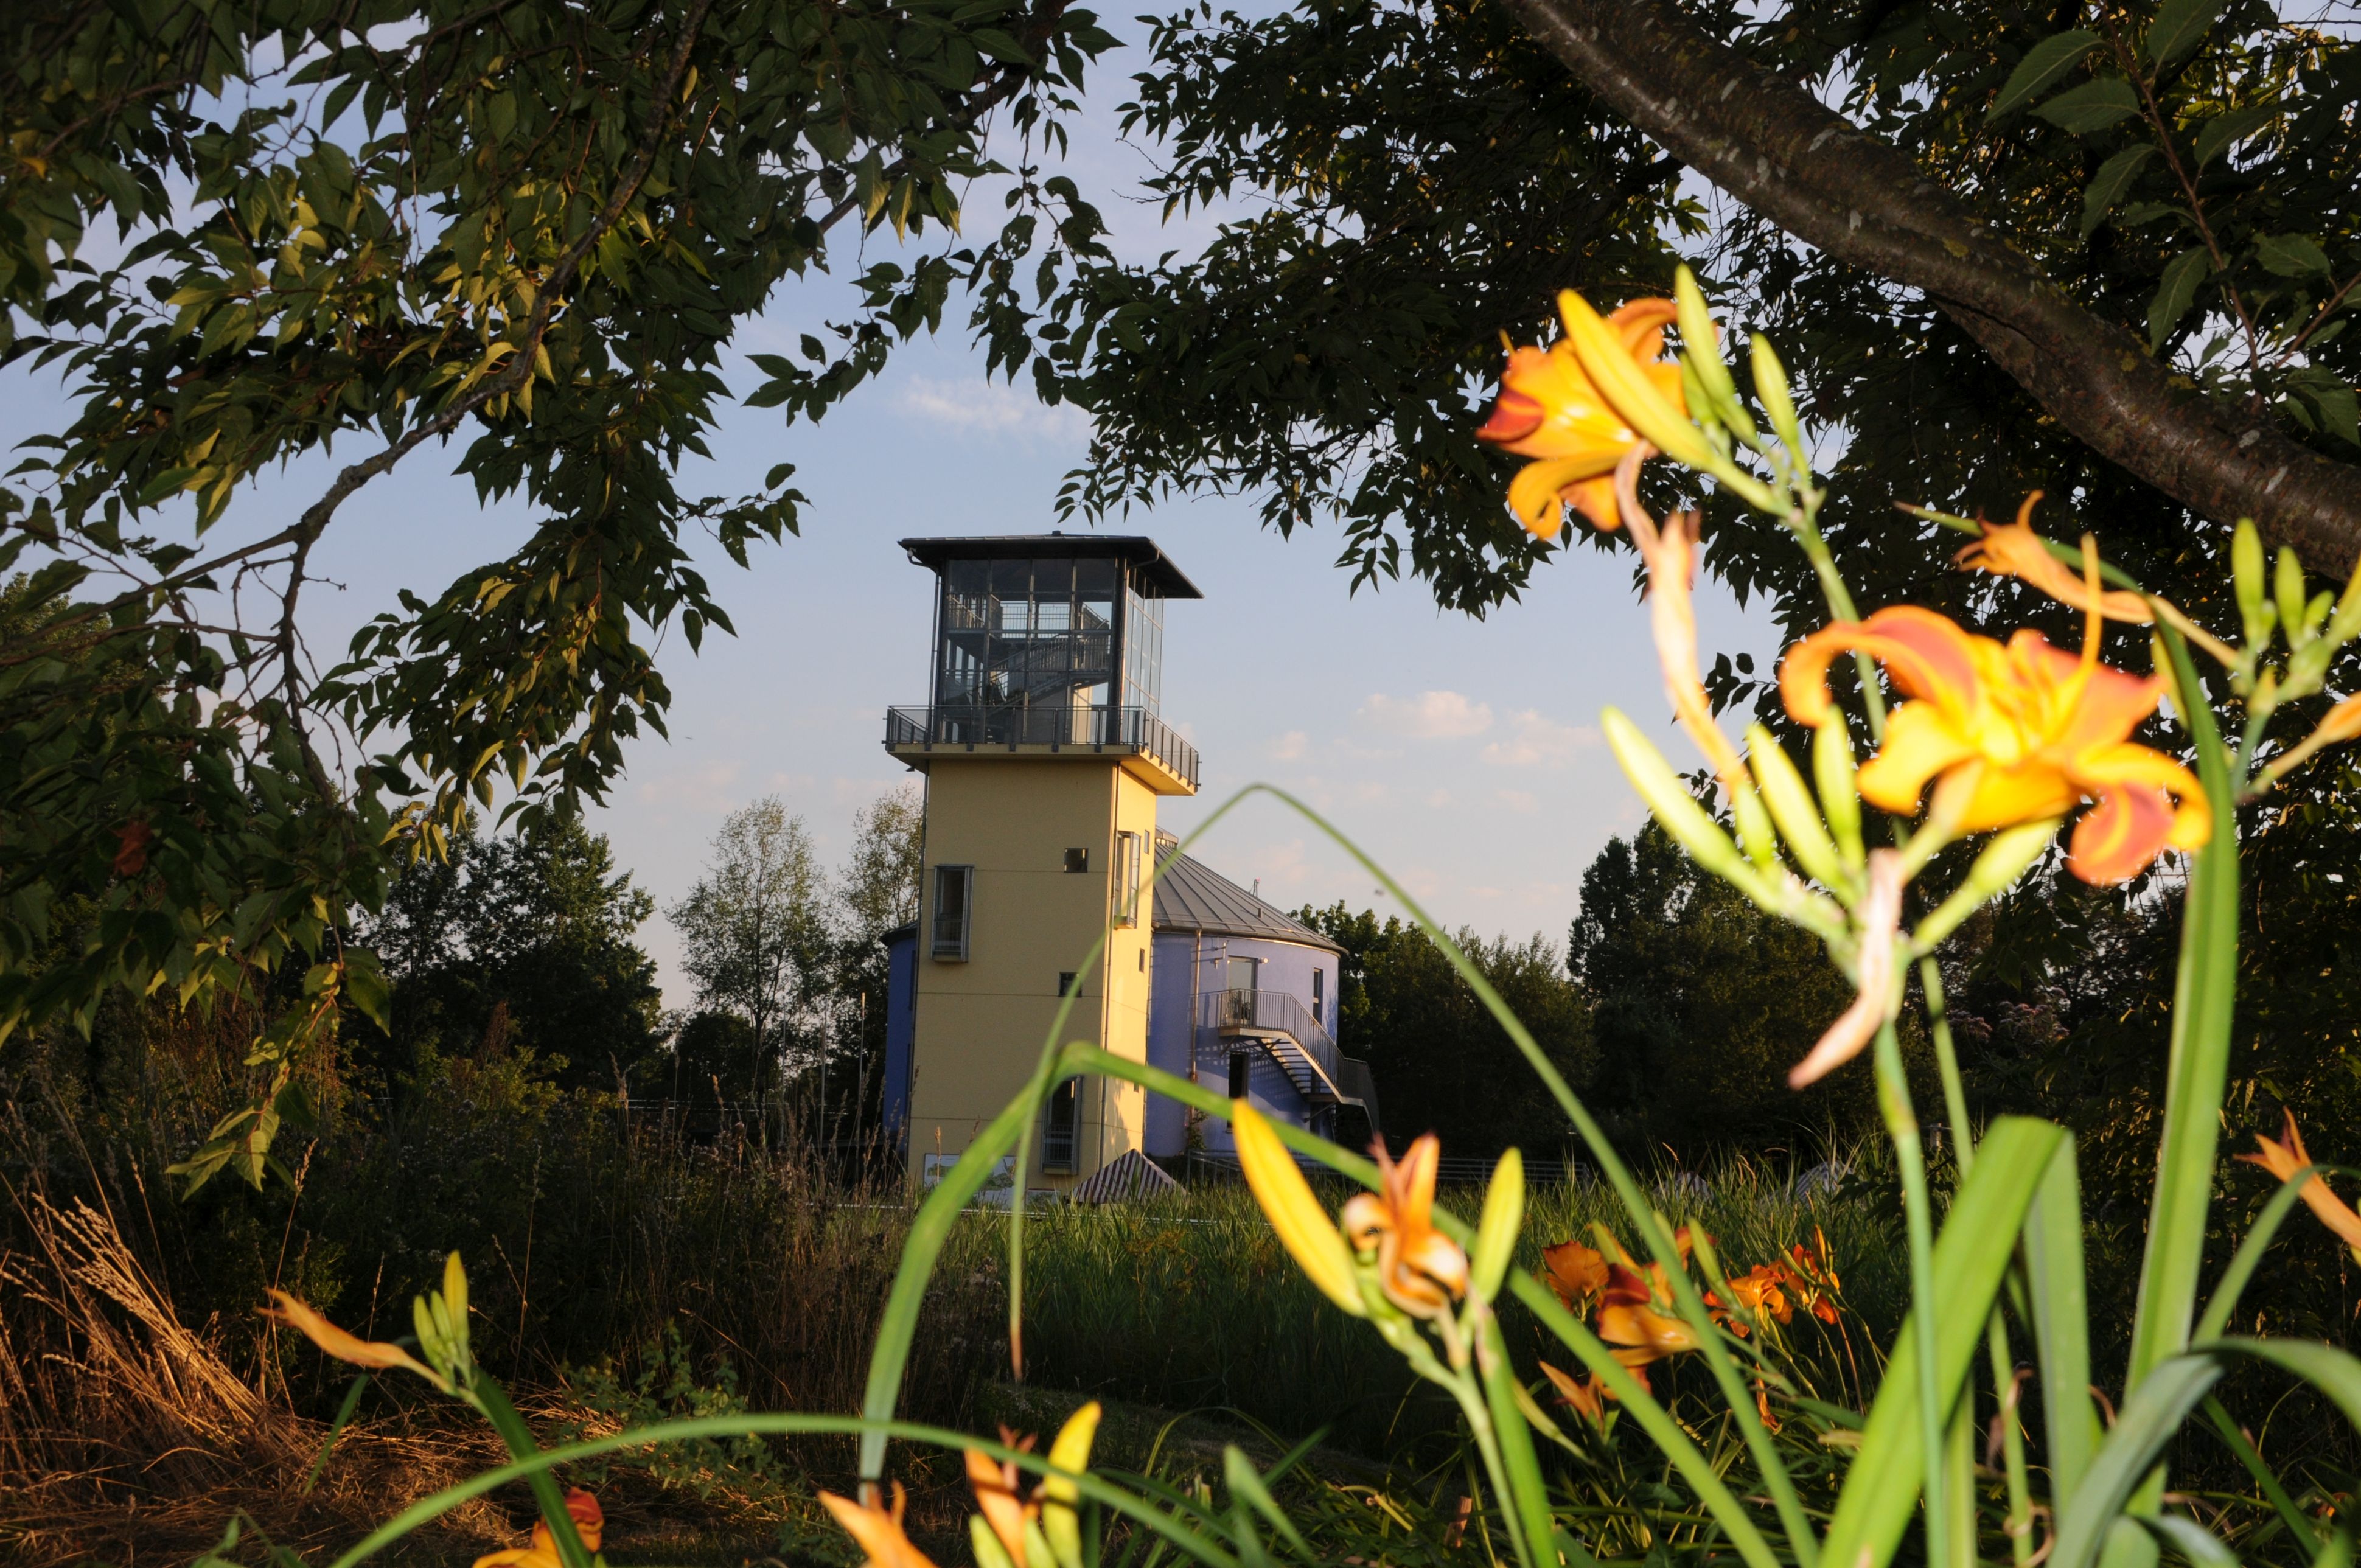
(1282,1029)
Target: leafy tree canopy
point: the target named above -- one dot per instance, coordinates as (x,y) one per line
(244,234)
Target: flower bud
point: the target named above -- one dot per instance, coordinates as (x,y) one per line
(2247,575)
(2346,621)
(1701,353)
(1839,795)
(1680,814)
(1996,872)
(1070,1453)
(1771,390)
(1495,1231)
(1792,807)
(1754,835)
(2287,586)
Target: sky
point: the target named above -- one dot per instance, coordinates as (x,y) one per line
(1463,754)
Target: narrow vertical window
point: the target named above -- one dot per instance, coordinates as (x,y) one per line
(1319,996)
(954,895)
(1059,1126)
(1241,1074)
(1126,879)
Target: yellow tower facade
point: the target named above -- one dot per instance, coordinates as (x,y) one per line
(1045,754)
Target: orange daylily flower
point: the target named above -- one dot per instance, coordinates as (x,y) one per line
(1812,1277)
(2014,550)
(377,1356)
(1421,1269)
(1629,1319)
(877,1531)
(1587,1398)
(2284,1159)
(1761,1290)
(2023,730)
(589,1523)
(999,1496)
(1550,410)
(1575,1272)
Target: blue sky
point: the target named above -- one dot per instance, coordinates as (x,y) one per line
(1464,754)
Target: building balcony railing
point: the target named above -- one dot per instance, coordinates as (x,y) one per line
(1101,728)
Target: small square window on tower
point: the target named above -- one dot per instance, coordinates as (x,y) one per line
(1078,859)
(1066,986)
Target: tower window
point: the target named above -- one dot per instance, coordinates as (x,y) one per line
(954,895)
(1126,878)
(1058,1126)
(1241,1074)
(1078,859)
(1318,995)
(1066,986)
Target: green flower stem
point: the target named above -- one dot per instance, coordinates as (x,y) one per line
(1946,1063)
(1901,1124)
(2020,1492)
(484,1392)
(1524,1488)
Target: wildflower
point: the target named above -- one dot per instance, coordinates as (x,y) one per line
(2014,733)
(1549,409)
(589,1523)
(375,1354)
(2014,550)
(1576,1273)
(1420,1269)
(997,1496)
(1587,1397)
(1302,1225)
(2284,1159)
(876,1530)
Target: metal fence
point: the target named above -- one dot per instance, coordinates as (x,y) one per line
(1100,728)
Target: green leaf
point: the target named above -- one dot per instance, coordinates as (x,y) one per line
(2042,64)
(2094,106)
(2151,1416)
(2059,1296)
(2182,274)
(2329,400)
(1880,1495)
(2291,255)
(2223,130)
(2107,186)
(2180,26)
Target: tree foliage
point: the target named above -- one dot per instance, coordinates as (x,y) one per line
(246,234)
(754,937)
(522,940)
(1441,1063)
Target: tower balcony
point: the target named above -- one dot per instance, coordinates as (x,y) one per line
(1147,746)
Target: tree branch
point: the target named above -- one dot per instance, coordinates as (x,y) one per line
(1865,202)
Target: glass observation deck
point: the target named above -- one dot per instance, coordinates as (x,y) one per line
(1048,644)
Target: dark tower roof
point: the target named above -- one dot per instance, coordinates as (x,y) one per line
(1138,549)
(1191,897)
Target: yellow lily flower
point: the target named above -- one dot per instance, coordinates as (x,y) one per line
(377,1356)
(1421,1269)
(589,1523)
(1551,409)
(1302,1225)
(2284,1159)
(877,1531)
(2024,731)
(2014,550)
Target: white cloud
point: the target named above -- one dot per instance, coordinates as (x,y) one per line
(1291,746)
(1538,741)
(992,408)
(1520,801)
(1430,716)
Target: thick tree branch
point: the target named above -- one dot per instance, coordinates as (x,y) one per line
(1865,202)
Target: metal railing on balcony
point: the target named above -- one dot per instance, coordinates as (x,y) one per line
(1284,1026)
(1100,728)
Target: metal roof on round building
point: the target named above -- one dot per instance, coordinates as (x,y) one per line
(1192,897)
